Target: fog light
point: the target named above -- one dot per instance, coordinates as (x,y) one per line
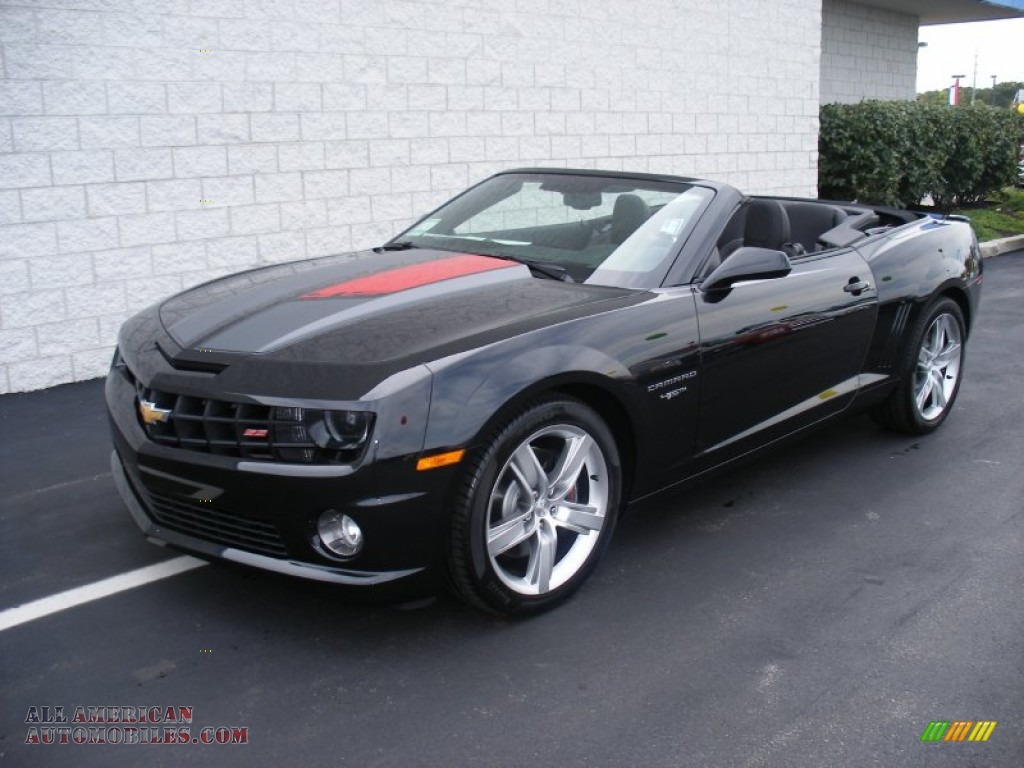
(340,533)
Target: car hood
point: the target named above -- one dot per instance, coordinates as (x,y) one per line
(413,305)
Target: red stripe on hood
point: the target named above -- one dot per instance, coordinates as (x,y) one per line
(412,276)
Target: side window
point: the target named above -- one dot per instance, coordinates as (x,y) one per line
(808,221)
(794,227)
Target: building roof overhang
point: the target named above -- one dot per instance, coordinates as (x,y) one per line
(952,11)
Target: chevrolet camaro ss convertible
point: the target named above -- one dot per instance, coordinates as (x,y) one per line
(479,399)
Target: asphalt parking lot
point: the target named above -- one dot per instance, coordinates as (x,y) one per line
(817,607)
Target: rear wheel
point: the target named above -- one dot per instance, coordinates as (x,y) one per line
(930,373)
(536,509)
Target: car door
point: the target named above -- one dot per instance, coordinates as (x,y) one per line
(778,354)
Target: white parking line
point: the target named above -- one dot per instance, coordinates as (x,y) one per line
(20,614)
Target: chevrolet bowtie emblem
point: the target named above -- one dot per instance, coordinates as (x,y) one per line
(151,413)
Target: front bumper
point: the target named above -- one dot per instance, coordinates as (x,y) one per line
(159,535)
(264,514)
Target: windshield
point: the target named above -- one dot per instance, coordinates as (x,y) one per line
(599,230)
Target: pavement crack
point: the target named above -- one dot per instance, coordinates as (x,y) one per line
(57,487)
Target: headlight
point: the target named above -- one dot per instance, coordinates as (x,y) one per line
(341,430)
(306,434)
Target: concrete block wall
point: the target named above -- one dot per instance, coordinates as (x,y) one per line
(867,53)
(148,145)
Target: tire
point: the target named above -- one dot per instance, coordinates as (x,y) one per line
(529,524)
(930,372)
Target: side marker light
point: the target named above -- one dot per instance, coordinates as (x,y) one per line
(440,460)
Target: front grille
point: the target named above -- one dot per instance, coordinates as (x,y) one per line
(206,521)
(230,428)
(218,426)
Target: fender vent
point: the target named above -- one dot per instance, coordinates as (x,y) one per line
(892,345)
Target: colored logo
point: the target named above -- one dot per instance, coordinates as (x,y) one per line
(958,730)
(151,413)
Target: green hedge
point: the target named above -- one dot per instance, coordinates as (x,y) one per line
(895,153)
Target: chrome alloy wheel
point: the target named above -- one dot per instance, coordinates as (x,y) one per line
(547,509)
(938,367)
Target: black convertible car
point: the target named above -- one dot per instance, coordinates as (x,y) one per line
(481,397)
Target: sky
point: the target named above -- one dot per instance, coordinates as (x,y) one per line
(951,48)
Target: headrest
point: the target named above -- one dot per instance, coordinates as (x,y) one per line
(767,224)
(630,212)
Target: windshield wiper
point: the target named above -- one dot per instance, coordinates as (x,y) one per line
(547,269)
(401,245)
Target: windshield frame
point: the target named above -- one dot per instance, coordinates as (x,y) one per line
(558,179)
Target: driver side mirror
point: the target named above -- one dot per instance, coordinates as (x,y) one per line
(747,264)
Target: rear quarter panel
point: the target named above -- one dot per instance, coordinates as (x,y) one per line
(912,265)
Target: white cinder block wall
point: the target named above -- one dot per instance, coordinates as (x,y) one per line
(148,145)
(867,53)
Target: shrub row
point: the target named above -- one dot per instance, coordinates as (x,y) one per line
(896,153)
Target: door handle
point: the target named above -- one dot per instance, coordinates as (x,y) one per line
(856,286)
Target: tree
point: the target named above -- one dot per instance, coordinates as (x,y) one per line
(1000,96)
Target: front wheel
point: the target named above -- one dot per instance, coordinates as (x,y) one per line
(930,373)
(536,509)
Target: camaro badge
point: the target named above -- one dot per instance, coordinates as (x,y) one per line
(151,413)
